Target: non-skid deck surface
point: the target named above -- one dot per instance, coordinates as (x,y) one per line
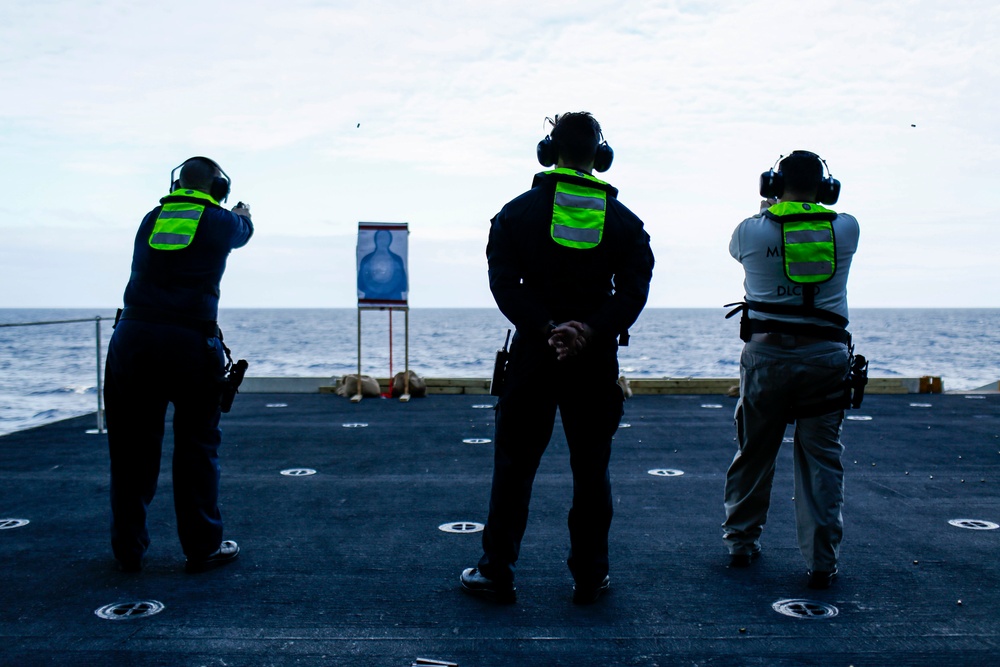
(349,567)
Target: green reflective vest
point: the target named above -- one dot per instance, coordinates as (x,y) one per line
(578,210)
(178,220)
(808,244)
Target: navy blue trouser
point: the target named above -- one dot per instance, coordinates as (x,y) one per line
(586,392)
(148,366)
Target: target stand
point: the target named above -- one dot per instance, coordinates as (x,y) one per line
(405,396)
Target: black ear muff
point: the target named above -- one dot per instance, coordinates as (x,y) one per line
(220,188)
(175,185)
(546,152)
(772,184)
(828,191)
(603,157)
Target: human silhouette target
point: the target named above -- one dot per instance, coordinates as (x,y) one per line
(382,264)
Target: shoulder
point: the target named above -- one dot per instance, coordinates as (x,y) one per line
(846,219)
(629,220)
(519,206)
(754,232)
(845,222)
(756,222)
(846,227)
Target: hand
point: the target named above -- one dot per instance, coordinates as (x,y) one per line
(570,338)
(242,209)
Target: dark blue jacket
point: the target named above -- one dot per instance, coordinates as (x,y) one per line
(535,280)
(186,282)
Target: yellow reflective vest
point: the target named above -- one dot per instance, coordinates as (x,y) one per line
(578,210)
(808,244)
(178,220)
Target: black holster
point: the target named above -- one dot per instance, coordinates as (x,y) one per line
(500,368)
(231,385)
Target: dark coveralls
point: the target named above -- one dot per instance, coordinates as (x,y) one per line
(166,349)
(536,281)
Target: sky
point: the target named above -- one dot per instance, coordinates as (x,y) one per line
(326,114)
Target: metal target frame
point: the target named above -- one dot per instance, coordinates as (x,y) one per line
(384,304)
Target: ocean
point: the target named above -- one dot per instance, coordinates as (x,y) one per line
(48,373)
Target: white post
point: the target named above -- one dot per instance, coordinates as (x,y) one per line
(406,369)
(357,396)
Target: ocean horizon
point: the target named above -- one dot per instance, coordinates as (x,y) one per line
(49,372)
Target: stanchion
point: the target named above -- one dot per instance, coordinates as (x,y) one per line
(100,386)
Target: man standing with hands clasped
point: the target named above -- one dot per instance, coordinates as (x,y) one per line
(570,267)
(796,363)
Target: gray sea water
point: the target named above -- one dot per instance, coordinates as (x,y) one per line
(49,372)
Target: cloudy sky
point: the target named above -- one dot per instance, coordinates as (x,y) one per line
(327,113)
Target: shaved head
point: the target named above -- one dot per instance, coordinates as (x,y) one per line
(197,174)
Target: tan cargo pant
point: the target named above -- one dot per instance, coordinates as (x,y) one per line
(773,380)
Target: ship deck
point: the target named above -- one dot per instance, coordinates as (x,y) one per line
(349,566)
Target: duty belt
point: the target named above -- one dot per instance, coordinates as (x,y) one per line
(209,328)
(749,326)
(831,334)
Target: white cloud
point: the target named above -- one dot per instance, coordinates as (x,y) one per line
(697,98)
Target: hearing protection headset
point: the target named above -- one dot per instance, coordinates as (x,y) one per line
(220,184)
(772,183)
(547,150)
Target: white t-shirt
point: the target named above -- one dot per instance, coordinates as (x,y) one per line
(756,244)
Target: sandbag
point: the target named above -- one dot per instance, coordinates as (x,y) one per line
(418,387)
(348,386)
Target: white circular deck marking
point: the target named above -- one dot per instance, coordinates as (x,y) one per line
(800,608)
(477,441)
(7,524)
(711,406)
(623,425)
(127,610)
(483,406)
(298,472)
(859,418)
(355,425)
(665,472)
(461,527)
(921,405)
(974,524)
(276,405)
